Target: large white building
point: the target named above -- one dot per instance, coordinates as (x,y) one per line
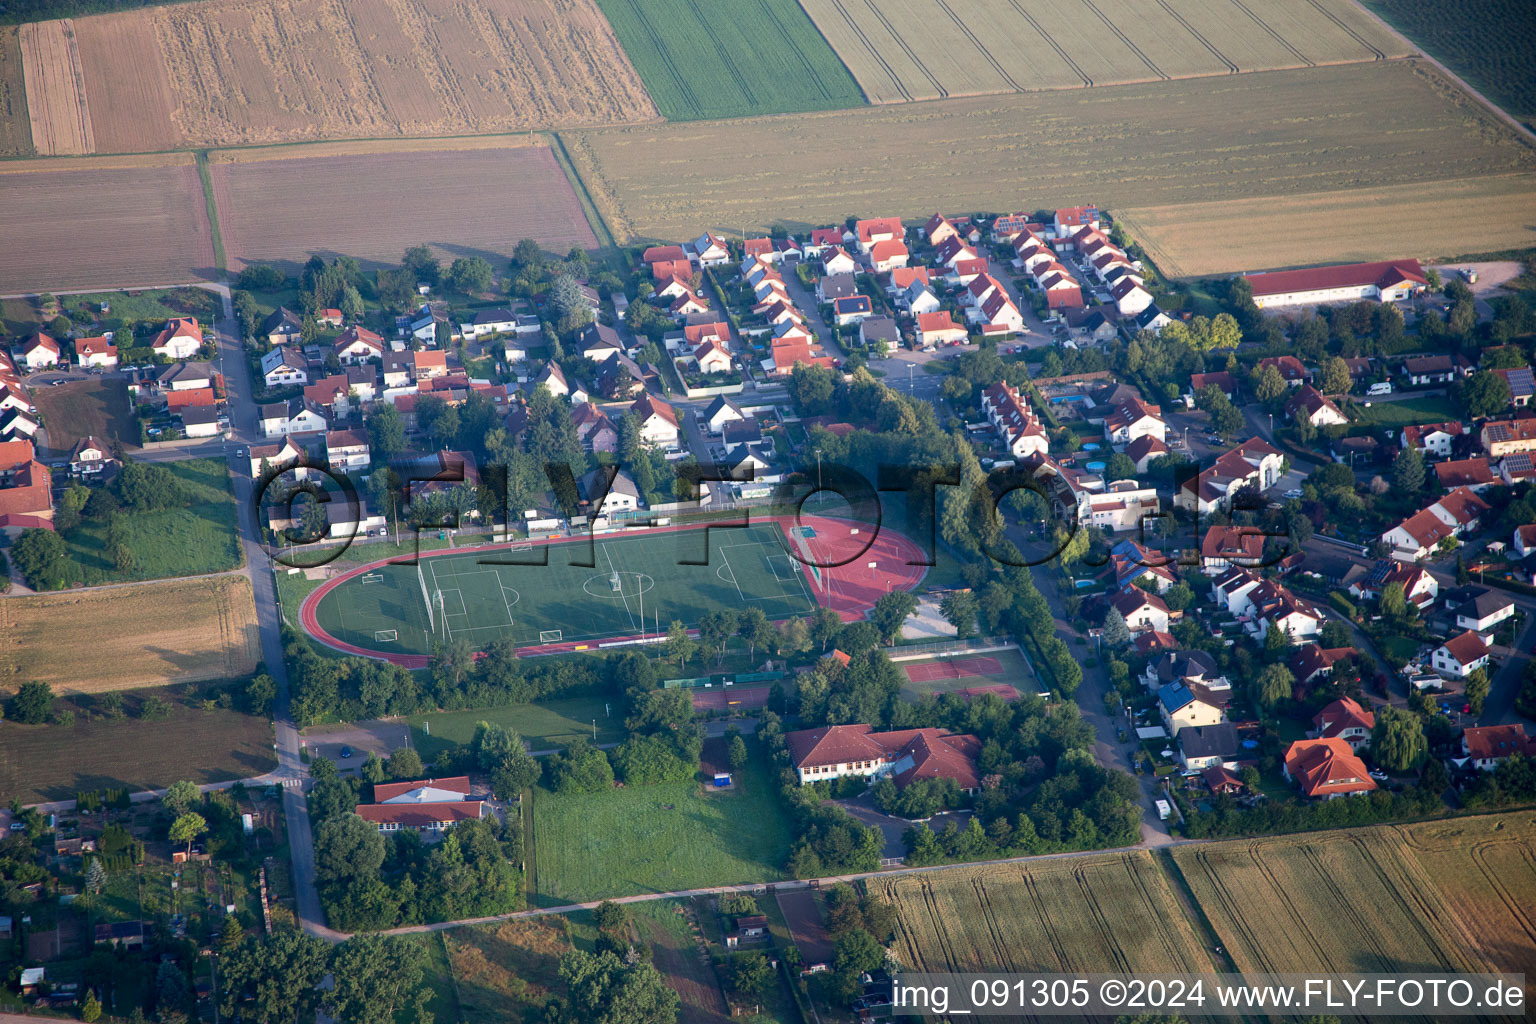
(1387,281)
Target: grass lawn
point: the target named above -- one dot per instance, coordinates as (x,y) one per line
(438,976)
(199,538)
(1404,647)
(54,762)
(658,838)
(97,406)
(549,724)
(149,304)
(706,60)
(1430,409)
(502,971)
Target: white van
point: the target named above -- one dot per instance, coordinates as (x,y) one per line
(1383,387)
(1163,809)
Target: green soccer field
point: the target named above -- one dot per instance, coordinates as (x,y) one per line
(479,596)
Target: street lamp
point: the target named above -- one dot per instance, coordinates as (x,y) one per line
(818,476)
(911,387)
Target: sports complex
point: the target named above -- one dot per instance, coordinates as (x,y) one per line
(586,593)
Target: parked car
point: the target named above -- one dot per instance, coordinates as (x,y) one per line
(346,751)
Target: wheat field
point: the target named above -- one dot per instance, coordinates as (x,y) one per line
(118,638)
(901,50)
(253,72)
(56,96)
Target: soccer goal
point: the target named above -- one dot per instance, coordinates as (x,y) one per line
(371,577)
(616,583)
(521,545)
(550,636)
(384,636)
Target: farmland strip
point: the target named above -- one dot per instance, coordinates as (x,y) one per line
(725,56)
(1064,961)
(1256,854)
(1125,39)
(785,37)
(1256,946)
(1325,12)
(1097,912)
(1176,16)
(1053,44)
(1277,37)
(871,49)
(906,48)
(659,43)
(1346,906)
(999,947)
(980,48)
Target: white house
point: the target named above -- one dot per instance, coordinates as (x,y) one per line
(40,352)
(658,420)
(1488,746)
(1130,297)
(98,352)
(1015,421)
(487,321)
(836,261)
(1435,439)
(1134,418)
(1460,656)
(1318,409)
(346,450)
(720,412)
(712,357)
(710,250)
(1254,463)
(358,345)
(1479,609)
(295,416)
(199,420)
(1187,707)
(1123,505)
(622,494)
(179,339)
(284,366)
(1142,611)
(919,299)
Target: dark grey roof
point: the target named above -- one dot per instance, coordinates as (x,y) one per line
(1146,316)
(592,483)
(742,431)
(721,402)
(199,414)
(186,371)
(880,328)
(599,336)
(837,286)
(282,317)
(494,316)
(1219,740)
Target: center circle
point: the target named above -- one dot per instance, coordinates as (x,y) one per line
(633,584)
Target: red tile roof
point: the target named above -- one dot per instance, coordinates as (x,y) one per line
(1353,275)
(1495,742)
(189,397)
(664,252)
(422,815)
(1327,767)
(866,229)
(1466,648)
(934,753)
(1342,714)
(389,790)
(1464,472)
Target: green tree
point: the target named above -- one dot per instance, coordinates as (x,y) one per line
(748,975)
(182,796)
(405,763)
(90,1010)
(736,753)
(422,265)
(1477,689)
(187,828)
(1408,470)
(1334,378)
(386,433)
(1268,384)
(605,990)
(855,952)
(890,611)
(42,557)
(275,981)
(1483,394)
(373,771)
(1225,417)
(470,274)
(346,848)
(231,935)
(755,629)
(1394,603)
(1397,740)
(679,644)
(1116,633)
(1274,684)
(959,608)
(95,876)
(376,978)
(33,703)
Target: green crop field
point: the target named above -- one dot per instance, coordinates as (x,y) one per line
(703,59)
(486,595)
(548,724)
(620,842)
(198,538)
(1490,43)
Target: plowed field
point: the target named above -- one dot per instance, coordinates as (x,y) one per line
(374,202)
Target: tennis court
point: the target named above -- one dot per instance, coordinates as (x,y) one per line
(571,595)
(1001,672)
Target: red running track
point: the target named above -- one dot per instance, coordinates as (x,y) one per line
(850,590)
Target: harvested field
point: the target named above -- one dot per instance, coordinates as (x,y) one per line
(56,96)
(1281,133)
(908,50)
(718,60)
(142,635)
(669,928)
(123,91)
(1265,900)
(50,762)
(1431,221)
(1490,43)
(15,126)
(1486,874)
(1115,912)
(249,72)
(466,202)
(145,220)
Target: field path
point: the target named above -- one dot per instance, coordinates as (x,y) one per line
(1509,119)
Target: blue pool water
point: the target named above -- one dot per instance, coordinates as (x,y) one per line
(1095,467)
(1090,446)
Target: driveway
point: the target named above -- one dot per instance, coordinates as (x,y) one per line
(361,738)
(893,828)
